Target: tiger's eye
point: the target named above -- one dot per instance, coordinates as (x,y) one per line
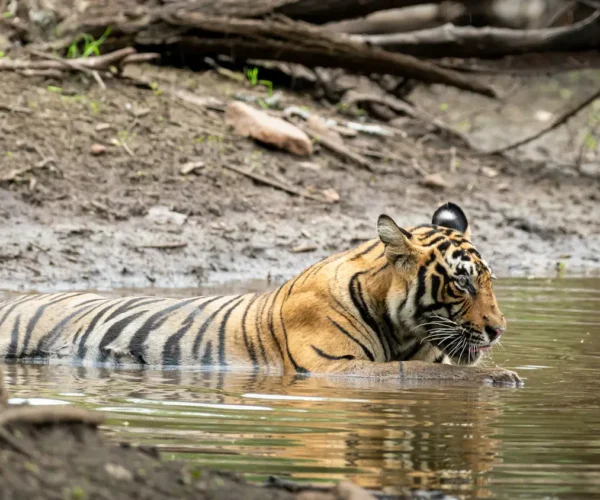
(462,281)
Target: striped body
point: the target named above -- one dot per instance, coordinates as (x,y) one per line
(421,295)
(253,330)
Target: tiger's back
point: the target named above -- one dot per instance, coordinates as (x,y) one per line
(138,330)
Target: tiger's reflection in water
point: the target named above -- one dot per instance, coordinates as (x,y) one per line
(384,435)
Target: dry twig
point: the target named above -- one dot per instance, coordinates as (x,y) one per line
(273,183)
(557,122)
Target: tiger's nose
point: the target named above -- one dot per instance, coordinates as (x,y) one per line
(494,332)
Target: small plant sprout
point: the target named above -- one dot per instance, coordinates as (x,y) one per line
(90,45)
(252,75)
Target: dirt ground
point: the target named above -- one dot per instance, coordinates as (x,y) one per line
(71,219)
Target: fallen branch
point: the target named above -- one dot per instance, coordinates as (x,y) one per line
(352,98)
(339,148)
(301,43)
(559,120)
(13,174)
(273,183)
(466,41)
(15,109)
(52,65)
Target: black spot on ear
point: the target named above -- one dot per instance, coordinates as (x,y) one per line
(451,216)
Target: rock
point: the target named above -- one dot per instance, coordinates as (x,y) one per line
(489,172)
(309,165)
(101,127)
(118,472)
(190,167)
(303,248)
(435,181)
(504,187)
(331,195)
(591,169)
(250,122)
(162,215)
(98,149)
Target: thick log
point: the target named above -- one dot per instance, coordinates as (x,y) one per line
(467,41)
(312,11)
(297,43)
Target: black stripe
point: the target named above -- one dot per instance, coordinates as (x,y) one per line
(382,268)
(36,317)
(114,331)
(459,252)
(207,359)
(294,281)
(77,334)
(14,339)
(297,366)
(356,295)
(271,323)
(411,351)
(434,241)
(223,331)
(442,247)
(25,298)
(350,318)
(435,287)
(442,271)
(82,347)
(368,353)
(440,358)
(131,304)
(247,342)
(317,267)
(206,324)
(136,344)
(355,292)
(365,251)
(474,252)
(422,283)
(428,234)
(172,350)
(258,328)
(44,343)
(330,357)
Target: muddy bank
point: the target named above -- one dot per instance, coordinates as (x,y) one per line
(129,218)
(59,453)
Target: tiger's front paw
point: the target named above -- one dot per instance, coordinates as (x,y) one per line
(500,376)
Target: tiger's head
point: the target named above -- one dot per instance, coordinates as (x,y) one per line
(441,288)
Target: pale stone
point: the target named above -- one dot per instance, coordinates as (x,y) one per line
(257,124)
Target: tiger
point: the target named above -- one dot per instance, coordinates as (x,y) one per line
(415,303)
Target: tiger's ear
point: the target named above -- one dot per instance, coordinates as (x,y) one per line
(398,246)
(451,216)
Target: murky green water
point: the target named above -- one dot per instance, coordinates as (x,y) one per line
(541,441)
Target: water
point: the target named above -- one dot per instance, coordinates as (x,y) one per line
(541,441)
